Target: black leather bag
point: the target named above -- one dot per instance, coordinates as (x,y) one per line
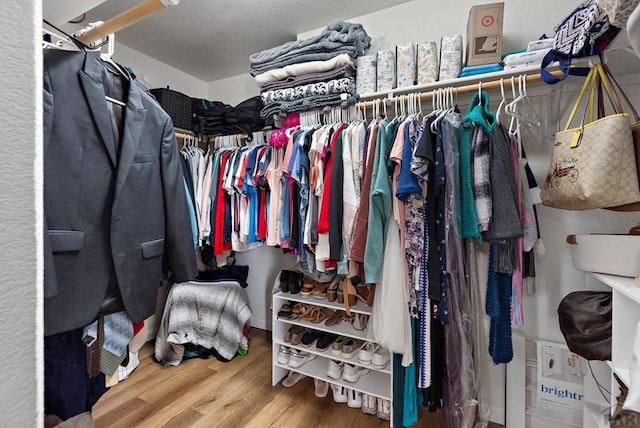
(585,322)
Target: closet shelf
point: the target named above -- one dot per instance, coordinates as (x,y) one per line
(342,329)
(624,285)
(359,308)
(373,383)
(489,80)
(327,354)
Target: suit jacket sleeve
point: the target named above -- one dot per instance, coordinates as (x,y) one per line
(179,250)
(50,277)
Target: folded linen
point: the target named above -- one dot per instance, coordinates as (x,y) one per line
(350,35)
(303,68)
(305,79)
(328,51)
(315,102)
(337,86)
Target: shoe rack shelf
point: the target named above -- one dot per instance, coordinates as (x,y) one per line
(359,307)
(377,382)
(327,354)
(373,383)
(626,316)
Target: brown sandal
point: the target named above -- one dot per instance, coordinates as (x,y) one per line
(320,290)
(336,318)
(322,314)
(311,313)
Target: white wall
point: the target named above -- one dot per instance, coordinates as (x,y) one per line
(265,263)
(233,90)
(59,12)
(422,20)
(21,306)
(158,74)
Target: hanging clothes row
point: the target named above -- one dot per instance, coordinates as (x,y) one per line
(356,197)
(226,200)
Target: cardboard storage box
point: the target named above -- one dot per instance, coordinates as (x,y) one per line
(484,34)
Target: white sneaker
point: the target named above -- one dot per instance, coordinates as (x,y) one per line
(335,369)
(365,355)
(355,399)
(299,358)
(339,393)
(369,404)
(380,358)
(283,355)
(353,373)
(384,409)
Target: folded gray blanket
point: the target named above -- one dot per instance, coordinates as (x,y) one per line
(315,102)
(339,37)
(337,86)
(209,314)
(324,76)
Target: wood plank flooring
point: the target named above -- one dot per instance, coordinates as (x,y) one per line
(209,393)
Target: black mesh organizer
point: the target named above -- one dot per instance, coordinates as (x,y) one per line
(176,104)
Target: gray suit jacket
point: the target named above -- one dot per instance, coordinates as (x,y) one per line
(111,207)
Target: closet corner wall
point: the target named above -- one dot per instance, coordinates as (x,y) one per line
(20,214)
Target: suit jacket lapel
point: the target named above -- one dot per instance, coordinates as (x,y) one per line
(91,79)
(134,119)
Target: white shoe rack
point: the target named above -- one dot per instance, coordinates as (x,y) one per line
(377,382)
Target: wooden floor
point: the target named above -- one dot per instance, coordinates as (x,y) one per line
(209,393)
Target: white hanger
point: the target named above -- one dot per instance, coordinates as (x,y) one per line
(58,42)
(523,109)
(502,102)
(512,121)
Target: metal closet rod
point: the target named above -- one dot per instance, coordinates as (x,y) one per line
(490,85)
(125,19)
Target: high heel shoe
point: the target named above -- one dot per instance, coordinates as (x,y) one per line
(332,291)
(344,293)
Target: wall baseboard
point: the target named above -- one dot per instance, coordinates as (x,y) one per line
(497,416)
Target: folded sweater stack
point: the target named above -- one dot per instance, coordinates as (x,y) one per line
(310,74)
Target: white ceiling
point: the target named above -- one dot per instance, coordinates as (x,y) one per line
(212,39)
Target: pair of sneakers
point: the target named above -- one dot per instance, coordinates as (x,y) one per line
(348,372)
(369,404)
(350,396)
(372,354)
(293,358)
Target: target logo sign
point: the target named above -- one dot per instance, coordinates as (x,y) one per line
(487,20)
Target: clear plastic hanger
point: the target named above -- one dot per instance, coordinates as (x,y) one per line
(521,107)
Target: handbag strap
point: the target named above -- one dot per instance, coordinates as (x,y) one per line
(607,72)
(611,93)
(588,82)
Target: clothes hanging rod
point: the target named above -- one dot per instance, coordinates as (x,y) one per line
(125,19)
(426,91)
